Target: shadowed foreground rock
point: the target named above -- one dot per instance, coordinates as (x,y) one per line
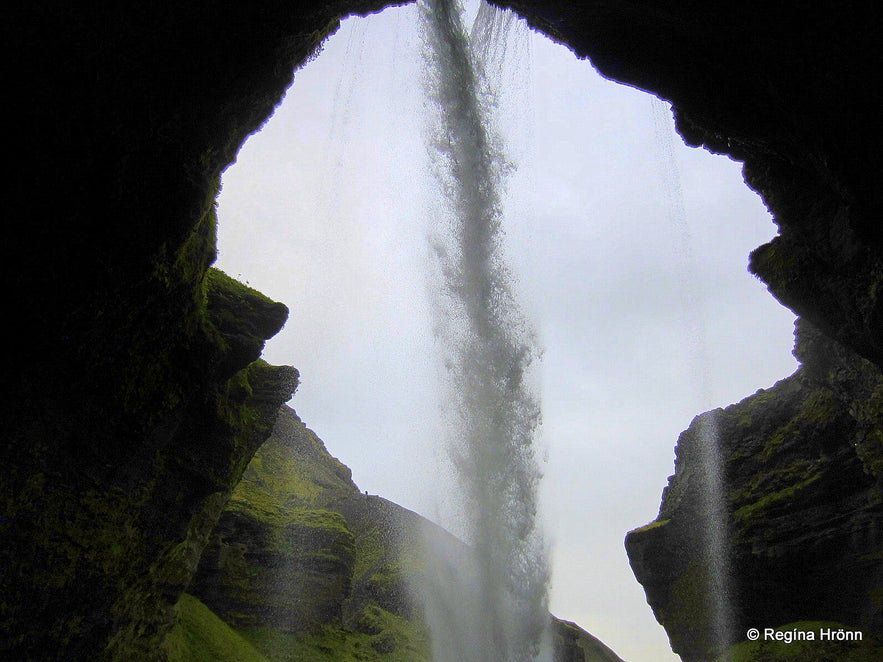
(803,508)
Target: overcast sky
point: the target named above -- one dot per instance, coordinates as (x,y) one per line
(630,251)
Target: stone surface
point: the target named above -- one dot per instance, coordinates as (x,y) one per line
(302,561)
(803,508)
(278,556)
(104,520)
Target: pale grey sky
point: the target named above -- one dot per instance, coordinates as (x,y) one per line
(641,298)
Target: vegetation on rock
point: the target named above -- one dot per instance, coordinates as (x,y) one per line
(306,567)
(803,484)
(200,636)
(299,570)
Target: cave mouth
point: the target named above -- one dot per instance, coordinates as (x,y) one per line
(630,251)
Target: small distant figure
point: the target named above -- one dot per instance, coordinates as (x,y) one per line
(366,492)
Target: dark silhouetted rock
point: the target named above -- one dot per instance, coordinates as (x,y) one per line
(803,508)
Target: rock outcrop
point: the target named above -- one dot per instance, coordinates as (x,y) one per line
(305,566)
(800,513)
(106,512)
(131,402)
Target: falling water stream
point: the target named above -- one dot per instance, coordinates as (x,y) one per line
(499,612)
(713,529)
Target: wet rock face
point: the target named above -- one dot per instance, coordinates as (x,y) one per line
(292,576)
(131,405)
(299,553)
(802,511)
(105,513)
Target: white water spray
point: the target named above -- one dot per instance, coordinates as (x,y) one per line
(715,533)
(492,604)
(714,530)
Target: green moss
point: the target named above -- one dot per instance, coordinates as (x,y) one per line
(776,264)
(293,470)
(655,524)
(691,601)
(226,294)
(150,384)
(258,505)
(200,636)
(302,581)
(755,407)
(370,550)
(247,408)
(379,636)
(196,253)
(275,481)
(818,410)
(786,497)
(868,414)
(768,483)
(780,481)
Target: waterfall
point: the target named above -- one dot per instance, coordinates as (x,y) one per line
(490,605)
(715,533)
(714,527)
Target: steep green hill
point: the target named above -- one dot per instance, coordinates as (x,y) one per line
(200,635)
(303,566)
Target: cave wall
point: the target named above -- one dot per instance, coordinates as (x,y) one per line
(132,399)
(785,89)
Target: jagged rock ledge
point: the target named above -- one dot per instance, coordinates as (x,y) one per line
(800,517)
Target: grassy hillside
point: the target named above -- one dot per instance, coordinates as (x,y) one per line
(303,567)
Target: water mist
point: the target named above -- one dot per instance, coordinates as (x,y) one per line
(713,528)
(486,601)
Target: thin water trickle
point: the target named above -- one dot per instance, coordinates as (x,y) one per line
(714,527)
(715,533)
(487,602)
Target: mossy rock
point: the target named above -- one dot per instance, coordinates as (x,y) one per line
(199,635)
(385,637)
(307,568)
(799,513)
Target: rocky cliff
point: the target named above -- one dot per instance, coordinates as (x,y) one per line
(106,511)
(132,400)
(305,567)
(799,512)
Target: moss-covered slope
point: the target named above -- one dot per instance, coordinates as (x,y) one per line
(306,567)
(801,510)
(200,636)
(303,564)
